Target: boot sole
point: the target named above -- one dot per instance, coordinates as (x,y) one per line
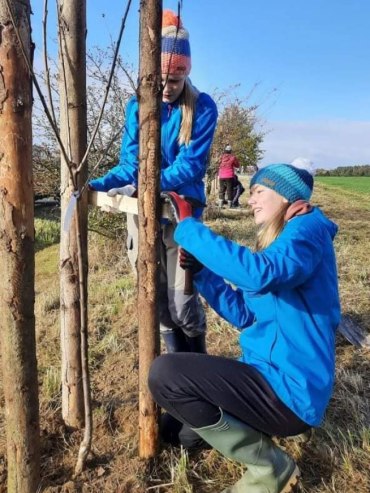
(290,487)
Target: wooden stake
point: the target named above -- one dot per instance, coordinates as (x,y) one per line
(72,69)
(119,203)
(149,209)
(17,256)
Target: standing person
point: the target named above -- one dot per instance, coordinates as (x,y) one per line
(285,297)
(226,174)
(188,122)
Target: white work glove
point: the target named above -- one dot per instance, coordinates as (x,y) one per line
(128,190)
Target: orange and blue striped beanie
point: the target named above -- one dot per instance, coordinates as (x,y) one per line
(176,59)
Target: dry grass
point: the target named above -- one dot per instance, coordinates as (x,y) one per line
(337,458)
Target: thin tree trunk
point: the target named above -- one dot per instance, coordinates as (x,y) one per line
(148,260)
(72,59)
(17,257)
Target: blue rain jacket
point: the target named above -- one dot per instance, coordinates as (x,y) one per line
(183,167)
(286,300)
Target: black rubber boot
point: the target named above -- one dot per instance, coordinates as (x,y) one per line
(169,428)
(175,341)
(197,344)
(176,433)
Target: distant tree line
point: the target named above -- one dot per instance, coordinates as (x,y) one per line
(358,170)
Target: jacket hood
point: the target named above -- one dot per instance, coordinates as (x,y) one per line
(329,225)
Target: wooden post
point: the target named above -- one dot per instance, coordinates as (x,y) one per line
(149,212)
(72,70)
(17,257)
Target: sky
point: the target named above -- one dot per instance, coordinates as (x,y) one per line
(308,62)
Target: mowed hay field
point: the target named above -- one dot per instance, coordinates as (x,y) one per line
(337,458)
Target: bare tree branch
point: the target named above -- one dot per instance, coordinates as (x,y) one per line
(35,82)
(108,86)
(61,40)
(46,64)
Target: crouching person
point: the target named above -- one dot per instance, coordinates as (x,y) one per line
(286,303)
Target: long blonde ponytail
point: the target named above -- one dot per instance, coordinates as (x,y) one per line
(188,101)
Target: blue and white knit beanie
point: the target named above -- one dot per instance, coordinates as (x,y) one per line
(288,181)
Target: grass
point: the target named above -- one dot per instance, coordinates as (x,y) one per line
(51,386)
(47,227)
(351,184)
(337,458)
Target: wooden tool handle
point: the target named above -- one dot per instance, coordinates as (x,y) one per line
(189,288)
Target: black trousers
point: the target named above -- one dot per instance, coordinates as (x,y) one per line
(237,192)
(226,184)
(193,387)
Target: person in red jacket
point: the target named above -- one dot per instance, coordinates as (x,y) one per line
(226,174)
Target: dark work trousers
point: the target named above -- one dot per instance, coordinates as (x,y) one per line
(226,184)
(238,189)
(193,387)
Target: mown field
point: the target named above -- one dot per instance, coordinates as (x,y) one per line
(337,458)
(351,184)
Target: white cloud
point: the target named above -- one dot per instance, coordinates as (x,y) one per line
(328,143)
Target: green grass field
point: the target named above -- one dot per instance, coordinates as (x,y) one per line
(357,184)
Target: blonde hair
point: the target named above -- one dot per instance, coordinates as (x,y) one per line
(188,100)
(271,229)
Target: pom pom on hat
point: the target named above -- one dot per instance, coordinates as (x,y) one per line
(176,58)
(289,181)
(304,163)
(169,18)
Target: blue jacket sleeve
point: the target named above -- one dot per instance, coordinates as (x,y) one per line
(229,303)
(191,162)
(126,170)
(287,262)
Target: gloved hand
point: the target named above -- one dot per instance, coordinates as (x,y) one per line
(189,262)
(128,190)
(179,208)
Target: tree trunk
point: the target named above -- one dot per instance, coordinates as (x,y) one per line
(72,63)
(17,256)
(148,260)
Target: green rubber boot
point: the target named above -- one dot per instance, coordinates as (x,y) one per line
(269,469)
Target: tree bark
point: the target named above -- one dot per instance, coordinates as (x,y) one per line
(149,172)
(17,257)
(72,63)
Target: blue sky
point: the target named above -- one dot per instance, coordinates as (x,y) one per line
(309,59)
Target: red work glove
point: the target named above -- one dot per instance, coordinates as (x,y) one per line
(189,262)
(179,208)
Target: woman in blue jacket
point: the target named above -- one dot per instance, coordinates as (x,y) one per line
(188,122)
(284,298)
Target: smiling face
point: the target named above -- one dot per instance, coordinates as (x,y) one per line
(265,203)
(173,88)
